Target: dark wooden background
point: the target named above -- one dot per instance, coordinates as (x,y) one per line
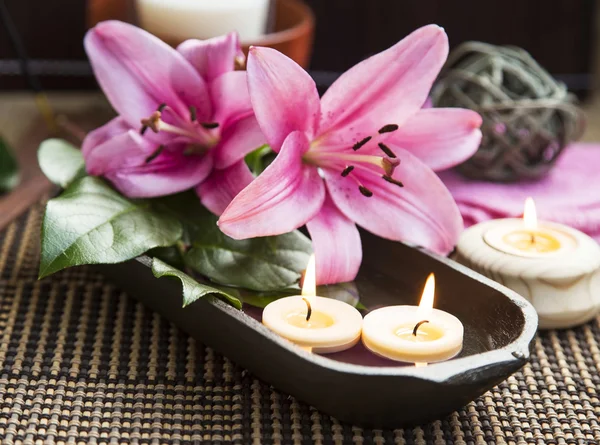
(559,33)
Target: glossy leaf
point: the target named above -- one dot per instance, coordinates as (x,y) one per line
(261,264)
(60,161)
(192,289)
(346,292)
(90,223)
(260,159)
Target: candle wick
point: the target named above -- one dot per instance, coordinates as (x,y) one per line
(308,309)
(418,325)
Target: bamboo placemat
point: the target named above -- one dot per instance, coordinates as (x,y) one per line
(81,362)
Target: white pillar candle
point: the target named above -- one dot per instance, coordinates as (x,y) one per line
(555,267)
(322,325)
(418,334)
(178,20)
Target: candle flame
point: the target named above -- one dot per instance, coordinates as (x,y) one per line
(426,303)
(309,286)
(530,215)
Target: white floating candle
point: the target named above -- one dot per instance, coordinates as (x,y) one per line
(555,267)
(414,333)
(322,325)
(178,20)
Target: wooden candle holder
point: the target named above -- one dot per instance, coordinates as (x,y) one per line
(564,289)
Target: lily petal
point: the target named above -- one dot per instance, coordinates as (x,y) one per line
(229,94)
(237,141)
(100,135)
(148,182)
(387,88)
(284,96)
(440,137)
(138,72)
(284,197)
(219,189)
(336,243)
(123,160)
(213,57)
(105,150)
(422,212)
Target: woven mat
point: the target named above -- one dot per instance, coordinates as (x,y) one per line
(81,362)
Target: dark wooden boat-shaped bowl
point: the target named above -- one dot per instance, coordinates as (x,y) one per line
(356,386)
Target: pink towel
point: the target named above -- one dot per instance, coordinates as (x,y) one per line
(569,194)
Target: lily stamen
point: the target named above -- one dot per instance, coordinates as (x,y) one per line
(388,128)
(155,154)
(387,150)
(360,143)
(385,164)
(365,191)
(347,170)
(210,125)
(156,124)
(195,149)
(392,181)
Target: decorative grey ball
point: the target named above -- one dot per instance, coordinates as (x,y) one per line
(528,116)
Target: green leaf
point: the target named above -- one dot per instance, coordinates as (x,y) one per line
(261,264)
(60,161)
(346,292)
(171,255)
(262,299)
(192,290)
(9,169)
(90,223)
(260,159)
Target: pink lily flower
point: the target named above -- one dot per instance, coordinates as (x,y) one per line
(360,155)
(185,115)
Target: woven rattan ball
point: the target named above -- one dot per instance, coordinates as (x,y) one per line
(528,117)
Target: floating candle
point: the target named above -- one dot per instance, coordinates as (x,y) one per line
(322,325)
(554,266)
(178,20)
(418,334)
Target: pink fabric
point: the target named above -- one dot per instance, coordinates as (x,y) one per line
(569,194)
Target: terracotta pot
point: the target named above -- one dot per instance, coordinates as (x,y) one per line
(294,31)
(293,35)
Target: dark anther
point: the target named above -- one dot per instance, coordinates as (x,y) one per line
(194,149)
(365,191)
(392,181)
(389,165)
(308,309)
(210,125)
(162,107)
(347,170)
(193,113)
(386,150)
(388,128)
(361,143)
(418,325)
(155,154)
